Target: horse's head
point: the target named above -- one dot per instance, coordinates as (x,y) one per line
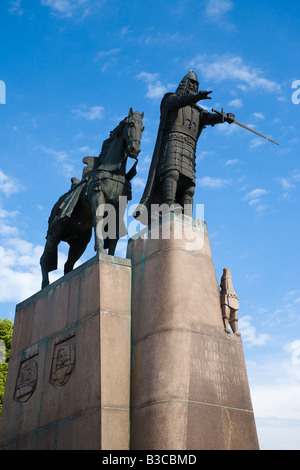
(133,133)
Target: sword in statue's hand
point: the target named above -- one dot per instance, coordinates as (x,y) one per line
(230,118)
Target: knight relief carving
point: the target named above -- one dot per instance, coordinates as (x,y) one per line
(229,303)
(63,362)
(26,380)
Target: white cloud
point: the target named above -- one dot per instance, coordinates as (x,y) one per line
(8,230)
(139,182)
(205,154)
(232,162)
(249,334)
(90,113)
(216,9)
(64,8)
(4,214)
(20,274)
(237,103)
(110,56)
(155,89)
(9,185)
(257,142)
(288,183)
(213,183)
(164,38)
(295,347)
(255,195)
(262,208)
(275,389)
(259,115)
(62,159)
(15,7)
(108,53)
(276,434)
(233,68)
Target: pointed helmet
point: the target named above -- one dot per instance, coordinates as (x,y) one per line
(183,86)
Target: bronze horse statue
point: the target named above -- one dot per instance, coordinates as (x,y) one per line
(83,207)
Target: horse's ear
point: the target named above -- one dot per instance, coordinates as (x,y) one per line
(142,115)
(130,112)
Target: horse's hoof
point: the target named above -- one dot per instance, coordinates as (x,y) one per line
(100,251)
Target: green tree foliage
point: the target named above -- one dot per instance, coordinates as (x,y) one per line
(6,330)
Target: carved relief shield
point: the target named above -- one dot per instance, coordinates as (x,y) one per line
(62,363)
(26,381)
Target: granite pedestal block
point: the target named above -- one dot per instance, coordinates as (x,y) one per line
(189,386)
(69,372)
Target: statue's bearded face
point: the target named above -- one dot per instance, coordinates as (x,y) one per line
(192,86)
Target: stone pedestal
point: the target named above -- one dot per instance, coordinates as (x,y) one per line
(69,373)
(189,386)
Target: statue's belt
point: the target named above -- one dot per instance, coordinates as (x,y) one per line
(230,296)
(185,139)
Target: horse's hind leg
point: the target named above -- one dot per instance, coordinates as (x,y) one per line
(45,270)
(48,260)
(118,224)
(98,211)
(77,248)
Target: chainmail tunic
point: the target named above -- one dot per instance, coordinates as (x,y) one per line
(178,153)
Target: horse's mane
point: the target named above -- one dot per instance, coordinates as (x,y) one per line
(113,134)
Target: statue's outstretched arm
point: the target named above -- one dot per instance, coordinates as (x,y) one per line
(173,100)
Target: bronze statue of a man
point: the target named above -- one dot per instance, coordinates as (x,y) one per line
(171,177)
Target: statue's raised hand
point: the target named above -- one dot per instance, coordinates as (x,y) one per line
(203,95)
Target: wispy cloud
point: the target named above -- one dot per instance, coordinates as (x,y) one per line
(164,38)
(256,142)
(213,183)
(6,219)
(109,57)
(233,68)
(259,115)
(8,184)
(65,8)
(90,113)
(20,274)
(155,89)
(232,162)
(288,183)
(249,333)
(108,53)
(61,159)
(15,7)
(254,199)
(237,103)
(256,193)
(139,183)
(216,9)
(205,154)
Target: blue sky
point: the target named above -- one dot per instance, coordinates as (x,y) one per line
(72,70)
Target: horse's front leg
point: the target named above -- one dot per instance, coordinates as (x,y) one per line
(98,210)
